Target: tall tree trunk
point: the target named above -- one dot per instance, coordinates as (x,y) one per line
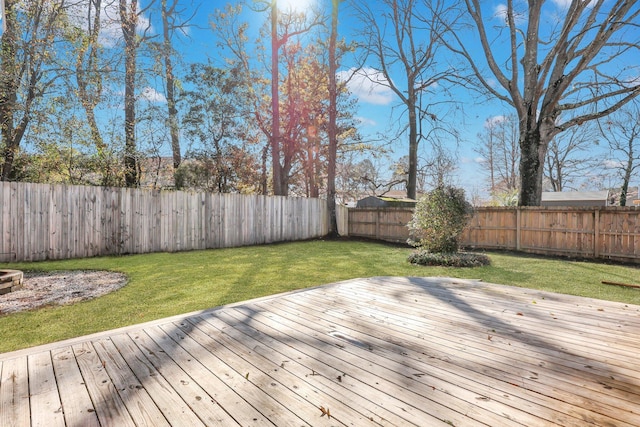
(263,171)
(8,88)
(413,145)
(333,126)
(89,84)
(278,190)
(627,175)
(532,154)
(170,81)
(129,18)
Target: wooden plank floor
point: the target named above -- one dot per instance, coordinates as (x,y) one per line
(379,351)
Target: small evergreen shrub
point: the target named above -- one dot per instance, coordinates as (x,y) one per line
(438,220)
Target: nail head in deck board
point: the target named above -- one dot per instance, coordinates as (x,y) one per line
(573,370)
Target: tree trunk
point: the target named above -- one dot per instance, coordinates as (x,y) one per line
(412,179)
(275,104)
(532,155)
(129,17)
(89,83)
(333,118)
(627,175)
(171,99)
(8,88)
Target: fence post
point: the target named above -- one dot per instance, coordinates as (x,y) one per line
(518,213)
(596,233)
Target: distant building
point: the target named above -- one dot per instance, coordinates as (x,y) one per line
(575,198)
(395,199)
(632,197)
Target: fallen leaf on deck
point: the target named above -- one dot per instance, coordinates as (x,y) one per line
(325,412)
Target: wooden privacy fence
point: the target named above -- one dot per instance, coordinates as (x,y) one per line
(598,233)
(39,221)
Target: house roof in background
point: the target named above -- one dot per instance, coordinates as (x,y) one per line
(557,196)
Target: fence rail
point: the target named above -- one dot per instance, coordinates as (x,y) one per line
(598,233)
(40,221)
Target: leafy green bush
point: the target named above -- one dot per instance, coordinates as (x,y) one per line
(438,220)
(457,259)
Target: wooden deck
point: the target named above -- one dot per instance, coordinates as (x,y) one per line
(379,351)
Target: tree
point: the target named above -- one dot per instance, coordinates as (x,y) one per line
(88,70)
(622,131)
(232,36)
(568,157)
(129,21)
(401,36)
(221,160)
(498,147)
(332,125)
(169,26)
(555,76)
(24,73)
(129,14)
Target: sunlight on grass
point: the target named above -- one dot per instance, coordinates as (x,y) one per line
(167,284)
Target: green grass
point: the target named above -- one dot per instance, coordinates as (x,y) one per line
(166,284)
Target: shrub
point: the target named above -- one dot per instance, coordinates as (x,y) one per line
(438,220)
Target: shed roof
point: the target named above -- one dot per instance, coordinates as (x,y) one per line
(556,196)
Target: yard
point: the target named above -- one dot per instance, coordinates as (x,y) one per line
(167,284)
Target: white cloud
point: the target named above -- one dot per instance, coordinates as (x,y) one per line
(366,121)
(564,4)
(612,164)
(466,160)
(152,95)
(632,81)
(111,30)
(368,84)
(501,11)
(494,121)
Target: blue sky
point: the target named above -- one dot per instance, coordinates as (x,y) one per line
(378,108)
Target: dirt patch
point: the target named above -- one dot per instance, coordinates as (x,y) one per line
(60,288)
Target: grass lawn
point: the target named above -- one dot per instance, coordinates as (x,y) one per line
(167,284)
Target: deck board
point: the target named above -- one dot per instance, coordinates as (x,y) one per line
(384,351)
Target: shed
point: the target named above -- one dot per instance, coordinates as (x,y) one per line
(385,202)
(575,198)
